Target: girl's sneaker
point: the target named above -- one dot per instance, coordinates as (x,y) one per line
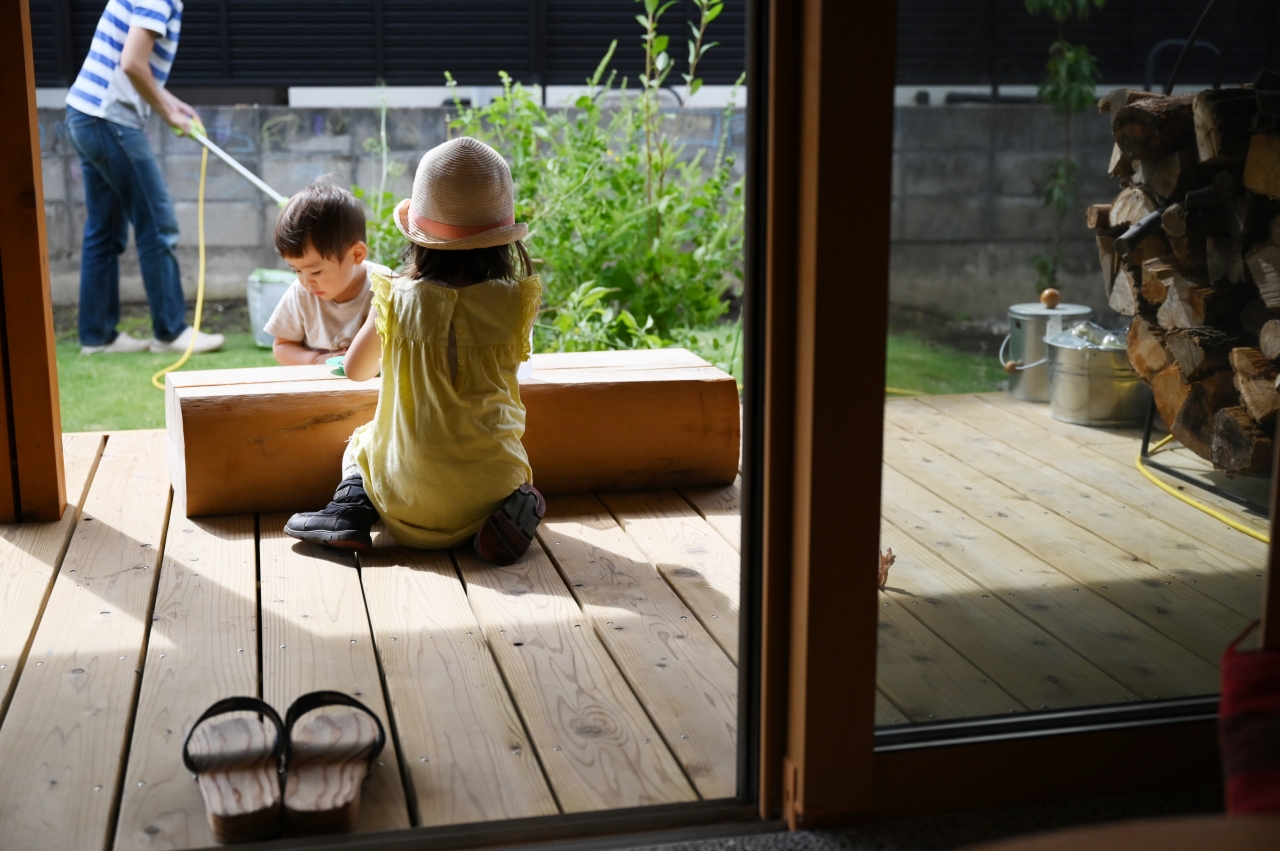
(506,535)
(343,523)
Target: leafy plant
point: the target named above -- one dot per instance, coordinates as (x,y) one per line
(613,201)
(382,236)
(1068,89)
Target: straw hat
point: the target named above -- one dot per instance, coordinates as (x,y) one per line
(462,198)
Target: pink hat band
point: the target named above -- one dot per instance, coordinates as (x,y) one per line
(448,231)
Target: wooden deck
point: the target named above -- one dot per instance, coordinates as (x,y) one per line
(1038,569)
(597,673)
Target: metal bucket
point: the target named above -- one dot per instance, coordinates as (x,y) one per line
(1095,387)
(1029,324)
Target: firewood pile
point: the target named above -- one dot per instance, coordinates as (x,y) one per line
(1190,249)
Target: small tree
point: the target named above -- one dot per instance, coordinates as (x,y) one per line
(1068,90)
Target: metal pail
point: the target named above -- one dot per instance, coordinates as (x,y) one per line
(1028,326)
(1095,387)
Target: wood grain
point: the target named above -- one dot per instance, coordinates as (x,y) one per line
(887,715)
(261,445)
(30,554)
(690,555)
(688,686)
(467,757)
(315,635)
(1130,651)
(1171,606)
(1164,546)
(1025,660)
(598,748)
(721,507)
(203,647)
(70,714)
(927,678)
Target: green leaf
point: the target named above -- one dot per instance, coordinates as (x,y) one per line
(650,6)
(660,43)
(661,61)
(714,12)
(694,86)
(644,22)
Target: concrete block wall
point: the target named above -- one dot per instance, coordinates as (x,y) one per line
(967,216)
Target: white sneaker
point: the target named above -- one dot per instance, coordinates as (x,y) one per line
(122,343)
(204,342)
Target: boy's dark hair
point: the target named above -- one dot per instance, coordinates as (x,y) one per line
(470,266)
(328,218)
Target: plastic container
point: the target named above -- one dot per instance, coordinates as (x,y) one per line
(266,288)
(1029,324)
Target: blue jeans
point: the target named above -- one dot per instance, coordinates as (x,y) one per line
(123,186)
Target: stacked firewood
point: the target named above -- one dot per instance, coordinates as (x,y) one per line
(1190,249)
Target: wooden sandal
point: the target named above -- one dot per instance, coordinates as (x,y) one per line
(237,766)
(328,758)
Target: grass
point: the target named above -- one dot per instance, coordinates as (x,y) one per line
(114,392)
(931,369)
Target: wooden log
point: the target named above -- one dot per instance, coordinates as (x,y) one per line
(1189,250)
(1131,206)
(1168,177)
(1223,118)
(1121,166)
(1151,246)
(1147,352)
(1220,190)
(1263,264)
(1269,339)
(1189,305)
(1274,234)
(1255,315)
(1157,274)
(1254,377)
(1239,446)
(1262,165)
(1108,260)
(1126,291)
(1201,351)
(1193,423)
(1098,216)
(1150,128)
(1225,260)
(1169,389)
(1113,101)
(244,441)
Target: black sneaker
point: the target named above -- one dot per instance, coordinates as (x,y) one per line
(509,531)
(344,523)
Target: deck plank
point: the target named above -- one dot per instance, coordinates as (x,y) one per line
(315,635)
(1172,607)
(30,554)
(1025,660)
(887,715)
(203,647)
(1167,548)
(64,736)
(925,677)
(467,757)
(685,681)
(721,508)
(1108,467)
(693,558)
(1133,653)
(597,746)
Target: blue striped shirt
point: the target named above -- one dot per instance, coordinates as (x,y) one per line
(102,89)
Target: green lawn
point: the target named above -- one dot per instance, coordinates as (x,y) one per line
(932,369)
(112,392)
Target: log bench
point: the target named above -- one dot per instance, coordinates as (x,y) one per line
(271,438)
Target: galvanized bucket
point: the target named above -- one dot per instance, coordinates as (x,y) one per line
(1029,324)
(1095,387)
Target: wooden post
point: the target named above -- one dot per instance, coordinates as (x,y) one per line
(30,370)
(840,158)
(1271,582)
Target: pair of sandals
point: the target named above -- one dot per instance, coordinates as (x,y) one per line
(308,777)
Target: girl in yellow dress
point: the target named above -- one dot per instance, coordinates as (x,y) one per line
(442,460)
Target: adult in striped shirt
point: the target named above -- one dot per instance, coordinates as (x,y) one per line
(108,107)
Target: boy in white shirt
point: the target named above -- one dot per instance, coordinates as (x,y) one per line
(321,233)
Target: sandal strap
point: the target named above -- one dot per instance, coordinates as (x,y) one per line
(236,704)
(319,699)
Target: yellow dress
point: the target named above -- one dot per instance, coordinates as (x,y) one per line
(440,456)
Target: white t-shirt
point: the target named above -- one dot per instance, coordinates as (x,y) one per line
(319,324)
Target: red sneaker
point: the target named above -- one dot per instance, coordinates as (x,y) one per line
(506,535)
